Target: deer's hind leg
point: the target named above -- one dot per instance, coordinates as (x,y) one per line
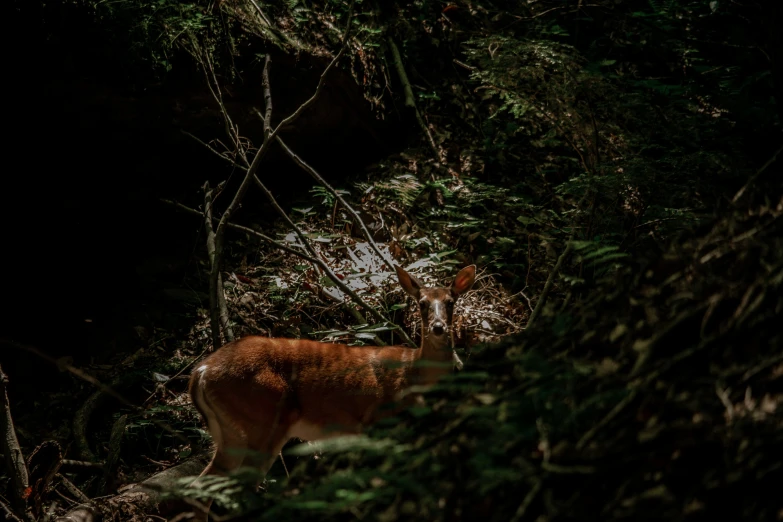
(231,448)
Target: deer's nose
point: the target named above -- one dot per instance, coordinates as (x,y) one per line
(438,328)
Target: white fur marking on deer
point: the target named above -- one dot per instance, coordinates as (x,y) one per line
(257,393)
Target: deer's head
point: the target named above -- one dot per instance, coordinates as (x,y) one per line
(436,305)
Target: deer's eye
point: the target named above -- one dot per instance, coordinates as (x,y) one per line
(423,305)
(450,305)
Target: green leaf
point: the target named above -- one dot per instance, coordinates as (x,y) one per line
(419,411)
(601,251)
(607,258)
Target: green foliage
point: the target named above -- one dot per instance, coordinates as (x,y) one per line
(511,69)
(616,123)
(151,30)
(400,190)
(586,407)
(586,121)
(228,492)
(361,333)
(327,199)
(594,254)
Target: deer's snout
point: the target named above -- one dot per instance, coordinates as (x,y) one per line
(438,328)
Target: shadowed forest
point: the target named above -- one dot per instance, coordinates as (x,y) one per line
(183,175)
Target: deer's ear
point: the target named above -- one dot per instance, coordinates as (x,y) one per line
(410,284)
(464,280)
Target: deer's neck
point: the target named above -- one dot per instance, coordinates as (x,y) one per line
(436,351)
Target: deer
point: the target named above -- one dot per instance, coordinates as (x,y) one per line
(257,393)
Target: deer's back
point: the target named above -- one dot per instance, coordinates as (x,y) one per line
(312,379)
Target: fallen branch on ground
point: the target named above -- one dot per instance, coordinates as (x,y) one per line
(14,460)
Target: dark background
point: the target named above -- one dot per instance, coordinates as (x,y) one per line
(89,251)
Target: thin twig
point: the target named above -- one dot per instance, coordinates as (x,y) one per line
(529,498)
(212,149)
(654,221)
(762,366)
(614,412)
(14,459)
(645,354)
(355,215)
(180,372)
(567,470)
(285,468)
(538,15)
(217,296)
(214,312)
(289,120)
(268,104)
(261,13)
(8,512)
(410,101)
(214,87)
(323,266)
(549,282)
(310,170)
(247,230)
(553,274)
(375,313)
(755,176)
(81,464)
(72,489)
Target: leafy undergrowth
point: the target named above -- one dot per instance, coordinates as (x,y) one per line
(657,395)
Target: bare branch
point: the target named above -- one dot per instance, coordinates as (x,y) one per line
(214,87)
(527,501)
(82,464)
(267,103)
(614,412)
(72,489)
(410,101)
(556,270)
(261,13)
(217,297)
(213,150)
(220,231)
(331,275)
(214,314)
(268,138)
(549,282)
(14,460)
(321,81)
(247,230)
(755,176)
(355,215)
(8,512)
